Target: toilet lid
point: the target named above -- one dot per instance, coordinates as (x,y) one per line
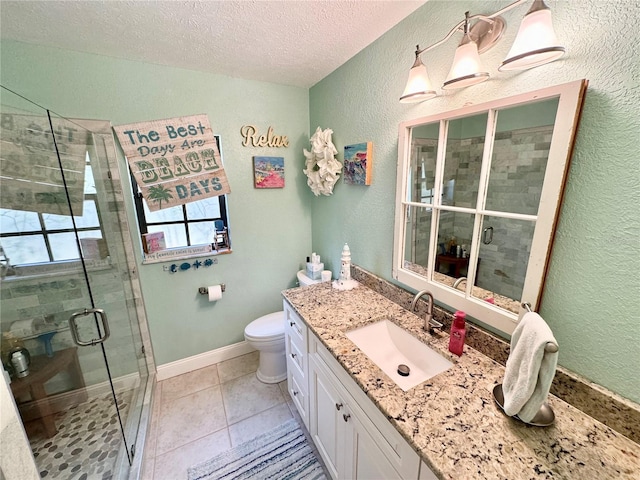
(266,326)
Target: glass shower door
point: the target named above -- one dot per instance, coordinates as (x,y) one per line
(113,291)
(63,257)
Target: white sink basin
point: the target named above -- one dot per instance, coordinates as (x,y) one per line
(389,346)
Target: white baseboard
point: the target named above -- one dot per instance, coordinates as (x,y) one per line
(202,360)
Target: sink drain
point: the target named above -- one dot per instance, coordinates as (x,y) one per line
(403,370)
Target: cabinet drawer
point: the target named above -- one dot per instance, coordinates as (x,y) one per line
(296,357)
(299,395)
(294,326)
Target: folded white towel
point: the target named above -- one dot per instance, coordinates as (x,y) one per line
(530,369)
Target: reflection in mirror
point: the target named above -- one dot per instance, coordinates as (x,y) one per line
(421,178)
(418,239)
(463,161)
(424,154)
(477,212)
(454,237)
(460,182)
(505,256)
(519,159)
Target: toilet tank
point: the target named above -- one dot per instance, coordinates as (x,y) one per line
(304,280)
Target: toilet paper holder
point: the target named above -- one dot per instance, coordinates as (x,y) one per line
(205,290)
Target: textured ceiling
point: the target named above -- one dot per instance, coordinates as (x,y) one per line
(287,42)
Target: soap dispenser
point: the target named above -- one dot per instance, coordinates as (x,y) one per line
(458,334)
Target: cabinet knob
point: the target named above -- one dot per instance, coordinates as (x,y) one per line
(295,392)
(293,355)
(346,417)
(292,323)
(338,406)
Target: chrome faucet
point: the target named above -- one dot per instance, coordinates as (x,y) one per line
(429,322)
(459,281)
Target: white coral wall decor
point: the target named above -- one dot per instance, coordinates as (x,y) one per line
(321,168)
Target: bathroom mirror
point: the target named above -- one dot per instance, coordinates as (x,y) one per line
(478,198)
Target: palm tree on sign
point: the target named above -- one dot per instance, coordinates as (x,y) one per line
(159,194)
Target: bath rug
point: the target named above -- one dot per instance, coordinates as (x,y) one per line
(282,453)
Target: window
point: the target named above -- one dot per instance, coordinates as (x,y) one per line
(185,225)
(32,237)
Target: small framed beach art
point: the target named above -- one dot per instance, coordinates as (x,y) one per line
(268,172)
(358,163)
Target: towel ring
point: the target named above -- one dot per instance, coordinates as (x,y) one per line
(550,346)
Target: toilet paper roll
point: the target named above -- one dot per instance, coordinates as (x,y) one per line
(215,293)
(326,275)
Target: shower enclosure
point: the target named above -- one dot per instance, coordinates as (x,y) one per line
(71,301)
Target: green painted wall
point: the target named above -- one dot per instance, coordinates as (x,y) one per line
(271,229)
(592,296)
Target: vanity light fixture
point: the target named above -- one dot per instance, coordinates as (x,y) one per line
(418,86)
(535,45)
(467,68)
(536,29)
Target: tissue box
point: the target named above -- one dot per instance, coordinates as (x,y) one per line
(314,270)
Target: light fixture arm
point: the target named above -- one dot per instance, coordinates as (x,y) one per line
(486,18)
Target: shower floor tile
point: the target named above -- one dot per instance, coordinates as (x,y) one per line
(87,443)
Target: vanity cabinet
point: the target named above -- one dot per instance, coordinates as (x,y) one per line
(354,439)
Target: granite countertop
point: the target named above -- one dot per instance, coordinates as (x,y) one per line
(452,420)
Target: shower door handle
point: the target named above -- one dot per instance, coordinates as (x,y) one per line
(487,235)
(73,327)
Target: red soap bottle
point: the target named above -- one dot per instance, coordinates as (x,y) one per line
(458,333)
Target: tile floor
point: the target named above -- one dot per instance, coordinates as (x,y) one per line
(205,412)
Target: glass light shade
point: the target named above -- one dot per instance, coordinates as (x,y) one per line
(535,44)
(418,86)
(467,68)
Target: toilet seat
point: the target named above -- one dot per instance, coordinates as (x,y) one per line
(266,328)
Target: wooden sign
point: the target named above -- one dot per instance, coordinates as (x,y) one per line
(254,139)
(32,179)
(174,161)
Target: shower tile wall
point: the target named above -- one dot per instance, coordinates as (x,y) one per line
(519,161)
(56,298)
(424,154)
(520,158)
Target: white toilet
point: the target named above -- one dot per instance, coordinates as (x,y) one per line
(266,334)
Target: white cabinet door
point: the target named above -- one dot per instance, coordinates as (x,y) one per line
(325,420)
(367,461)
(366,448)
(339,429)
